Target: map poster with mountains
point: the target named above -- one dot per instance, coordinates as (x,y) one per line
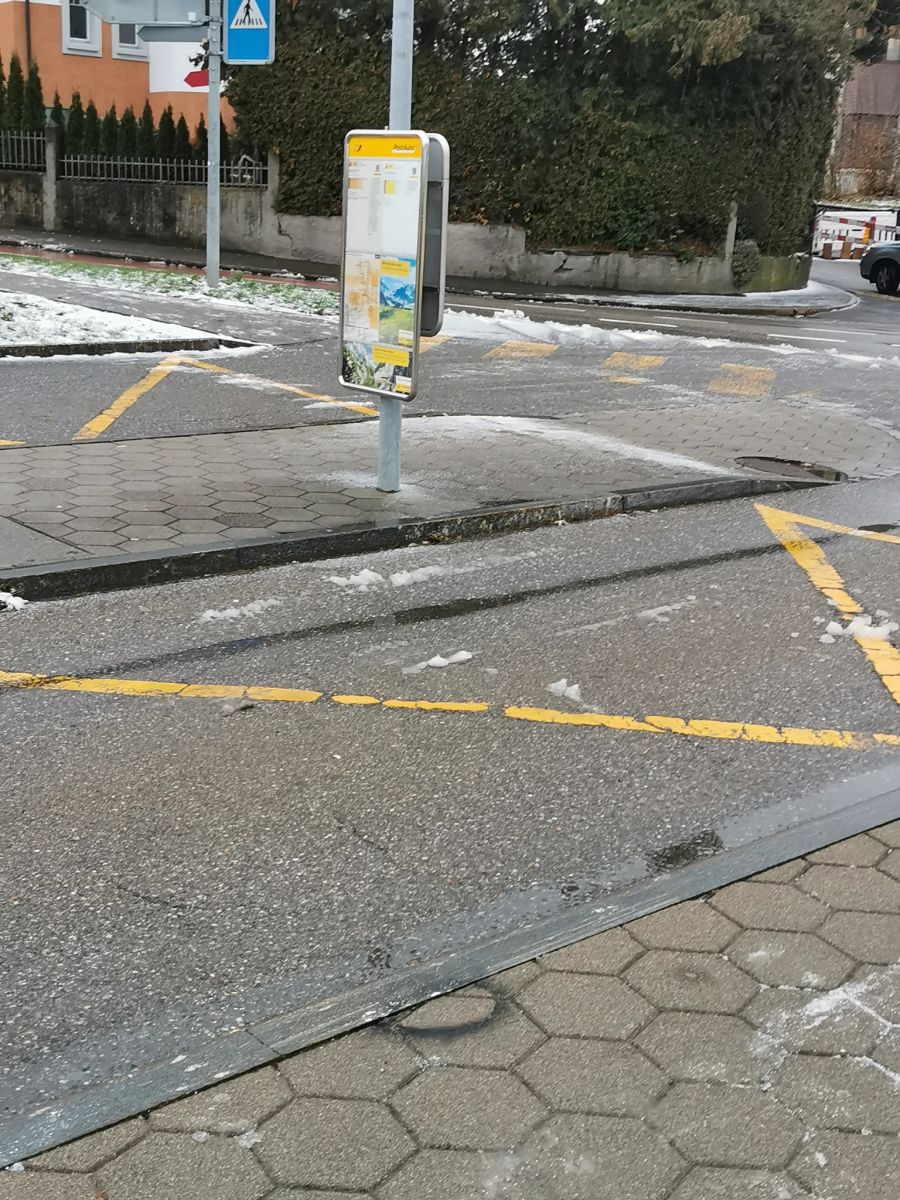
(385,178)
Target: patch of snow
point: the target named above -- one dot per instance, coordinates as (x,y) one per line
(200,1136)
(821,1159)
(439,662)
(234,613)
(360,582)
(861,627)
(9,602)
(249,1139)
(34,321)
(16,1168)
(827,639)
(417,575)
(565,690)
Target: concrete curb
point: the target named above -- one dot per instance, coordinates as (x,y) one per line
(766,840)
(53,581)
(163,346)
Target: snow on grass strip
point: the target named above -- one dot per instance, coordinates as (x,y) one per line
(833,739)
(233,289)
(34,321)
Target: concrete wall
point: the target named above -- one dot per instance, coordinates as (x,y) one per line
(781,274)
(22,199)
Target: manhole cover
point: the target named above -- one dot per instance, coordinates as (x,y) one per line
(792,469)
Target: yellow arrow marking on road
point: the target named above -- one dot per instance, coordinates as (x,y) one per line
(737,380)
(634,362)
(810,557)
(709,730)
(522,350)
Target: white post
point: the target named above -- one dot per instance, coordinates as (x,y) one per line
(390,415)
(213,214)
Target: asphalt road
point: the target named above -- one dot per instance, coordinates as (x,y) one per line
(171,869)
(585,360)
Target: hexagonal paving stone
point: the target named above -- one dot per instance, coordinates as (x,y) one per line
(887,1050)
(348,1144)
(790,959)
(850,1166)
(879,989)
(87,1153)
(471,1031)
(867,937)
(367,1065)
(605,953)
(691,982)
(584,1005)
(610,1078)
(732,1183)
(728,1126)
(813,1022)
(510,983)
(232,1107)
(770,906)
(692,925)
(839,1093)
(467,1109)
(891,864)
(783,873)
(447,1175)
(888,834)
(859,889)
(859,851)
(595,1158)
(41,1185)
(164,1165)
(146,532)
(709,1047)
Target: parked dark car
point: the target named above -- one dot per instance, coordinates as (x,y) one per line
(881,265)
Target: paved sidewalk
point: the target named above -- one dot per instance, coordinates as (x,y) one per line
(69,503)
(817,297)
(743,1046)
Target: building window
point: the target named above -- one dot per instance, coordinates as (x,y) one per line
(81,29)
(126,43)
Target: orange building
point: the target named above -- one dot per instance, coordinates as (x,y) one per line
(77,52)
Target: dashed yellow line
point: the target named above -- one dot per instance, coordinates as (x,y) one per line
(522,350)
(634,362)
(708,730)
(366,409)
(432,343)
(103,420)
(737,380)
(3,442)
(810,557)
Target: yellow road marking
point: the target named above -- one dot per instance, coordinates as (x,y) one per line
(3,442)
(883,657)
(432,343)
(736,380)
(634,362)
(522,350)
(634,380)
(366,409)
(786,735)
(102,421)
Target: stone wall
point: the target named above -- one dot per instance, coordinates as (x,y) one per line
(22,199)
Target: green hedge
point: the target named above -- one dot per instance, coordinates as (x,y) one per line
(565,121)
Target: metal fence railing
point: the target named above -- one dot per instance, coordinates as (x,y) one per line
(241,172)
(21,151)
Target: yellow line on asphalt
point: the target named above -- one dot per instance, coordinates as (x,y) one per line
(432,343)
(633,380)
(3,442)
(781,735)
(736,380)
(634,362)
(810,557)
(522,350)
(366,409)
(102,421)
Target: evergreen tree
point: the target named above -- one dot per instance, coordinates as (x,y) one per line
(182,139)
(34,117)
(2,96)
(165,139)
(201,141)
(224,142)
(146,133)
(91,137)
(128,131)
(109,134)
(58,121)
(15,94)
(75,126)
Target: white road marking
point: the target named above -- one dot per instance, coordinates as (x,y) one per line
(799,337)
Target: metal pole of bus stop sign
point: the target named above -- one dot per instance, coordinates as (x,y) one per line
(391,407)
(213,158)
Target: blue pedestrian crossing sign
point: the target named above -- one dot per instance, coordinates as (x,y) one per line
(249,32)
